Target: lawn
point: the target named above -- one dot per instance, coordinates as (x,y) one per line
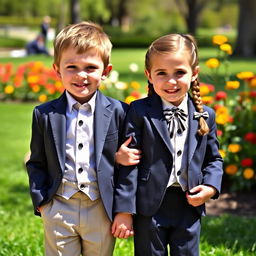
(21,231)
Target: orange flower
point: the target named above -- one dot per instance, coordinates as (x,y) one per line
(231,169)
(129,99)
(245,75)
(33,79)
(207,99)
(234,148)
(42,98)
(222,115)
(135,85)
(35,88)
(204,90)
(248,173)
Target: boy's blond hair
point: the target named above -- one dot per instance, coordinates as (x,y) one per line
(83,36)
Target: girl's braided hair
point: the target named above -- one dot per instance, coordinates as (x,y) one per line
(173,43)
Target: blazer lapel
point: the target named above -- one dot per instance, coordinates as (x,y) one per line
(192,133)
(102,119)
(58,123)
(155,113)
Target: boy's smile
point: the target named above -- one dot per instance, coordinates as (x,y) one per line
(81,74)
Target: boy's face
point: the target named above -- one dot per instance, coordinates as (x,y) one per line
(81,74)
(171,75)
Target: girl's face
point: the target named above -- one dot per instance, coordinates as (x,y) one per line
(171,75)
(81,74)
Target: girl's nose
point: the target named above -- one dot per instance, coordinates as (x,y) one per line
(82,74)
(172,80)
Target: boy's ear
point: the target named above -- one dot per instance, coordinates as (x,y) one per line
(147,73)
(195,73)
(56,68)
(106,71)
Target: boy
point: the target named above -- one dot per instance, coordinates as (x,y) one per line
(74,140)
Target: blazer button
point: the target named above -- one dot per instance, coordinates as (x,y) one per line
(179,153)
(80,146)
(178,173)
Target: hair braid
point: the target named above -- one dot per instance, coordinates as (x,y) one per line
(195,89)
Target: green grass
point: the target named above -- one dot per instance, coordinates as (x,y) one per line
(21,231)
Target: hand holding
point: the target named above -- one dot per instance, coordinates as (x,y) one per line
(122,225)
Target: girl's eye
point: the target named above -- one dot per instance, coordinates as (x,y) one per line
(71,67)
(161,73)
(180,72)
(91,68)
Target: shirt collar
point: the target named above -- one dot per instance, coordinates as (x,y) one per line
(71,102)
(183,105)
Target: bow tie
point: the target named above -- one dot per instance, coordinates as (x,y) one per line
(169,115)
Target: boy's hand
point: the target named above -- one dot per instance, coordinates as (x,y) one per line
(200,194)
(127,156)
(122,225)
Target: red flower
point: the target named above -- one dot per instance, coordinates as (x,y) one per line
(219,133)
(247,162)
(252,94)
(250,137)
(220,95)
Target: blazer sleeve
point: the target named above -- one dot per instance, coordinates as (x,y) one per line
(213,164)
(126,185)
(36,165)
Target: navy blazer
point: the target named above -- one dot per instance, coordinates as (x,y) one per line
(141,188)
(47,161)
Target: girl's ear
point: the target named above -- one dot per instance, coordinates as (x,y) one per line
(106,71)
(147,73)
(195,73)
(57,70)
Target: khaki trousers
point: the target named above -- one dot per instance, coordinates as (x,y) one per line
(77,226)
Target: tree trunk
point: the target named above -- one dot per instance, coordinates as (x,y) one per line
(246,39)
(75,11)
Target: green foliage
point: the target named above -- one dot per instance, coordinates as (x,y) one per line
(7,42)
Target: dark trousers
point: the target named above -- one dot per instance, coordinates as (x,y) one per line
(176,224)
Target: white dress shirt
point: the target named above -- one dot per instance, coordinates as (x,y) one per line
(179,173)
(79,173)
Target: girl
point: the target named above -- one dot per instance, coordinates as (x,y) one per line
(181,167)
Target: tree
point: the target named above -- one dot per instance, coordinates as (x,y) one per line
(190,10)
(75,11)
(246,39)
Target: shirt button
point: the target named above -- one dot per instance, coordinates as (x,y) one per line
(80,123)
(178,173)
(179,153)
(82,186)
(80,146)
(80,170)
(179,131)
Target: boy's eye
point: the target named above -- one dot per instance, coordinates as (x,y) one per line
(71,67)
(180,72)
(91,68)
(161,73)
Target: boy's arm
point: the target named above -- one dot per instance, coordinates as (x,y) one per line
(36,165)
(122,225)
(127,156)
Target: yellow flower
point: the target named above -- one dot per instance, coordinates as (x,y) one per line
(204,90)
(231,169)
(245,75)
(135,85)
(226,48)
(254,108)
(33,79)
(234,148)
(42,98)
(212,63)
(129,99)
(232,85)
(219,39)
(58,84)
(102,87)
(37,66)
(222,153)
(222,115)
(36,88)
(248,173)
(9,89)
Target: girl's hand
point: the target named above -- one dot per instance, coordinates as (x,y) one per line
(122,225)
(127,156)
(200,194)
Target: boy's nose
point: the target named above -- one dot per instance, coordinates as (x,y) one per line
(172,80)
(82,74)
